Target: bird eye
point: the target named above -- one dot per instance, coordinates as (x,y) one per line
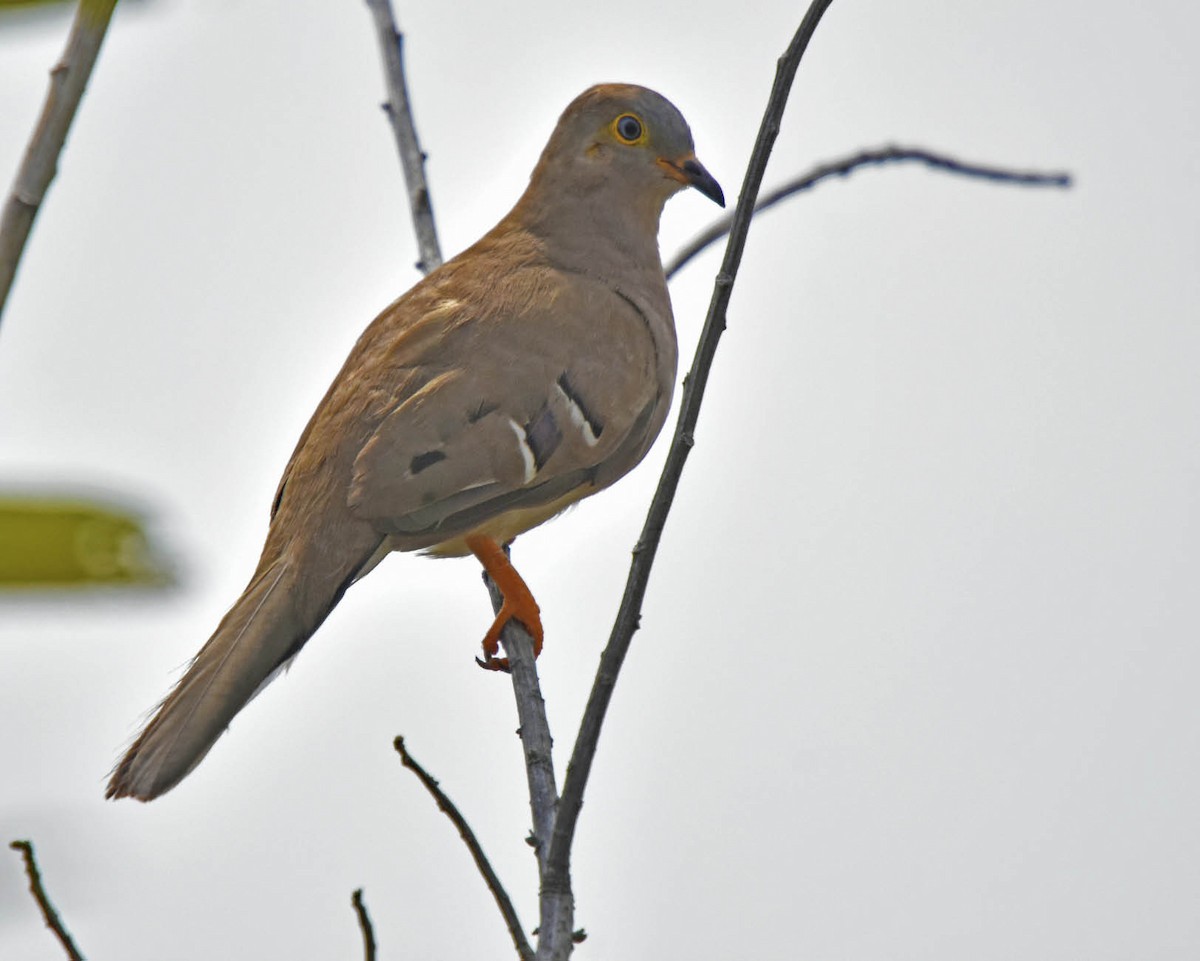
(628,128)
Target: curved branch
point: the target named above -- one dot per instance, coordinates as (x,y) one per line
(503,901)
(364,924)
(68,79)
(49,915)
(847,165)
(558,860)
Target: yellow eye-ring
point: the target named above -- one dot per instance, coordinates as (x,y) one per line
(629,129)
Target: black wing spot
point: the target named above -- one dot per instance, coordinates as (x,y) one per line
(422,461)
(543,436)
(594,422)
(480,412)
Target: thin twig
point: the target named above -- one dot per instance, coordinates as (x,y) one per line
(840,168)
(53,922)
(503,902)
(68,78)
(364,924)
(412,158)
(558,861)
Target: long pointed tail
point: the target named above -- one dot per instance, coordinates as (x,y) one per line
(267,626)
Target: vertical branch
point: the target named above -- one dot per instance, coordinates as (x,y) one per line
(555,818)
(68,78)
(412,158)
(536,741)
(49,915)
(557,872)
(531,710)
(556,904)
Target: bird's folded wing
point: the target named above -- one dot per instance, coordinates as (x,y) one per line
(513,413)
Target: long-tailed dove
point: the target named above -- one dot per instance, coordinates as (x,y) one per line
(530,371)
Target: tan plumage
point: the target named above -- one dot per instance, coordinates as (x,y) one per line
(530,371)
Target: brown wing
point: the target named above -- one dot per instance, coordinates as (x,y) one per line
(515,409)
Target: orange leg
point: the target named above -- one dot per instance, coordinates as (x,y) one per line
(518,601)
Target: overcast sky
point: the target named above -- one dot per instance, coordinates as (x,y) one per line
(917,670)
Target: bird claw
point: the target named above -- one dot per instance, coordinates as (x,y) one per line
(518,604)
(494,664)
(529,620)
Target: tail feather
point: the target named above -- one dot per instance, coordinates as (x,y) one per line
(260,634)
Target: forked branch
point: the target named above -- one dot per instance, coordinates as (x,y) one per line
(558,862)
(555,818)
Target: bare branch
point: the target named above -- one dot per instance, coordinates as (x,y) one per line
(558,861)
(364,924)
(840,168)
(412,158)
(68,78)
(556,904)
(518,645)
(503,902)
(53,922)
(534,730)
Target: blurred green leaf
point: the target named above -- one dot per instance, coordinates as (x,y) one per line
(52,542)
(25,4)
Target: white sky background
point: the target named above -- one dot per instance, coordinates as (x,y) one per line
(917,672)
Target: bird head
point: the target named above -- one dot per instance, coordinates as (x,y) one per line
(622,145)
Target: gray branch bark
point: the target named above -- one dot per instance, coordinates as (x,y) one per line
(847,165)
(556,817)
(412,157)
(49,915)
(68,79)
(447,807)
(559,860)
(364,924)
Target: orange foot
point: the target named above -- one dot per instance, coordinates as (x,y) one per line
(518,601)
